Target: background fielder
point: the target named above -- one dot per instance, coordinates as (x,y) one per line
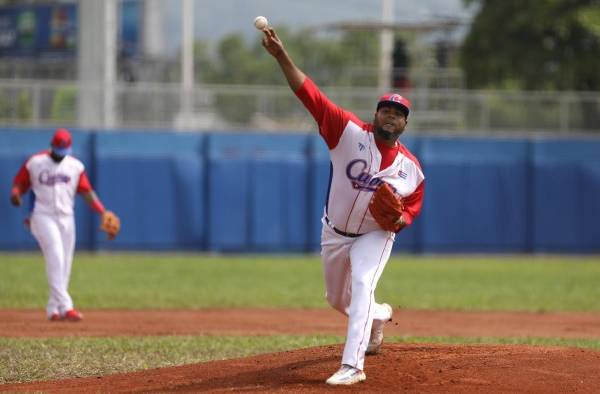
(55,177)
(356,245)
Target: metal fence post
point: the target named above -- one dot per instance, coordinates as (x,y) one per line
(564,114)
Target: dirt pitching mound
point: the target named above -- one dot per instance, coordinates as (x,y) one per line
(398,368)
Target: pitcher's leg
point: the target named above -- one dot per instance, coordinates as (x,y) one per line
(336,269)
(368,257)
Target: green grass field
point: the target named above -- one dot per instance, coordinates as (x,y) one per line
(141,281)
(144,281)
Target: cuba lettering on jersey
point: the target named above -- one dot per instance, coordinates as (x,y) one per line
(54,184)
(357,168)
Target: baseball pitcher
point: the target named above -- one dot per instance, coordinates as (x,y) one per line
(375,190)
(55,177)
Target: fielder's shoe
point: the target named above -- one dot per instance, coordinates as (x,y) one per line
(346,375)
(73,315)
(54,317)
(377,333)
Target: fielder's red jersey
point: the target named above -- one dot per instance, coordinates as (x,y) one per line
(359,164)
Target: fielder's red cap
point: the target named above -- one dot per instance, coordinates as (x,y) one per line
(395,100)
(61,142)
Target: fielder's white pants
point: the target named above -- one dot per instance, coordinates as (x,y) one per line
(352,267)
(56,236)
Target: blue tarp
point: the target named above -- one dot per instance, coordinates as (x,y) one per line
(255,192)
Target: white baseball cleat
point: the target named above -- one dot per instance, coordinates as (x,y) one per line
(376,338)
(346,375)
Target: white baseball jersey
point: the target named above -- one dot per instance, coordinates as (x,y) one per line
(54,184)
(52,221)
(360,164)
(354,249)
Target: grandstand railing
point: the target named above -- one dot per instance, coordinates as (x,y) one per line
(273,108)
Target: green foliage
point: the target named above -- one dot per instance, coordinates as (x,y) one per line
(325,60)
(536,45)
(5,107)
(16,106)
(133,281)
(23,110)
(240,62)
(235,108)
(508,111)
(64,104)
(589,17)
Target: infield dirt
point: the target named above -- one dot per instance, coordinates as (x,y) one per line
(421,368)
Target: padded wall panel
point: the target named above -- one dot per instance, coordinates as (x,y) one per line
(155,183)
(566,195)
(476,197)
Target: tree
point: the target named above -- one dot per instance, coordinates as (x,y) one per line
(64,104)
(534,45)
(326,60)
(329,62)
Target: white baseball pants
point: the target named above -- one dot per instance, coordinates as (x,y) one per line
(352,267)
(56,236)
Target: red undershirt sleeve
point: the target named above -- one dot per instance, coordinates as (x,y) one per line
(85,187)
(413,204)
(22,181)
(332,119)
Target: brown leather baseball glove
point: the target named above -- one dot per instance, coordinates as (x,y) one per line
(110,224)
(387,207)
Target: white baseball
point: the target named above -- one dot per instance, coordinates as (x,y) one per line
(260,22)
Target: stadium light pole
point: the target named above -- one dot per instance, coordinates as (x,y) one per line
(187,62)
(386,41)
(110,68)
(97,62)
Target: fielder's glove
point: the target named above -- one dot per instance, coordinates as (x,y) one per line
(110,224)
(15,199)
(386,207)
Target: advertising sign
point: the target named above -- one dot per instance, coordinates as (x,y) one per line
(51,30)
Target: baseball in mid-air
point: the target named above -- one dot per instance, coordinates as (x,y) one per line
(260,22)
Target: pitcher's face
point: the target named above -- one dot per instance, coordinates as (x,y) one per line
(389,123)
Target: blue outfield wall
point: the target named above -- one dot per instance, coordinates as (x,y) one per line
(155,182)
(257,192)
(476,195)
(565,195)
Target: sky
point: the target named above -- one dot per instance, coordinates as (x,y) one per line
(215,19)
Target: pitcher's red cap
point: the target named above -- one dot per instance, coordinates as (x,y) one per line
(396,100)
(61,142)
